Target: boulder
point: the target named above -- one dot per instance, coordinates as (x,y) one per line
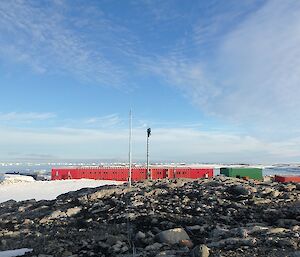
(153,247)
(73,211)
(200,251)
(139,235)
(172,236)
(238,190)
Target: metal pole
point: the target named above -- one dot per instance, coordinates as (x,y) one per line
(148,170)
(130,135)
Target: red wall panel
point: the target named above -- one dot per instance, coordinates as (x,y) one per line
(285,179)
(122,173)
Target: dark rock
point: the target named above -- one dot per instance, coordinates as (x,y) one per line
(234,218)
(153,247)
(139,235)
(200,251)
(239,190)
(295,254)
(172,236)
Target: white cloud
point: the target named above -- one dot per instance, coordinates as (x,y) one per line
(188,76)
(173,144)
(104,121)
(260,63)
(245,71)
(27,117)
(50,40)
(251,75)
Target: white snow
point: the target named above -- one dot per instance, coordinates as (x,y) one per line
(14,253)
(45,190)
(14,178)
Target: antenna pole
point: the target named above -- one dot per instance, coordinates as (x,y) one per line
(129,154)
(148,170)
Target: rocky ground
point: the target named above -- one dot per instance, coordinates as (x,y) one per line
(211,217)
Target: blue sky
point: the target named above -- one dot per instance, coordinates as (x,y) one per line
(217,81)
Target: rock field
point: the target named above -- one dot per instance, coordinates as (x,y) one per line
(197,218)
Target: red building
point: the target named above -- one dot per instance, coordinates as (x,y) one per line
(287,179)
(122,173)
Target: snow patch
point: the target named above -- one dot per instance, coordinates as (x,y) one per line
(15,178)
(46,190)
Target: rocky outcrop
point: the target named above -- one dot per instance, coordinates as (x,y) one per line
(208,218)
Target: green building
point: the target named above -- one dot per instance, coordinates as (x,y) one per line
(253,173)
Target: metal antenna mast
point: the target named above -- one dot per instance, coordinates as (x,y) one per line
(129,154)
(148,170)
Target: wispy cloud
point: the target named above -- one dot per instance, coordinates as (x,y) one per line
(107,137)
(260,65)
(238,61)
(219,19)
(51,40)
(188,76)
(25,117)
(251,76)
(173,144)
(104,121)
